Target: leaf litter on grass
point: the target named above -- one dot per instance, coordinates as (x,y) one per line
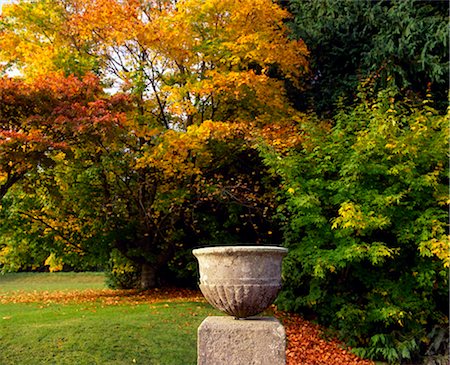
(306,343)
(104,296)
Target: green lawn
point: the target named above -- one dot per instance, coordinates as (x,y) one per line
(92,332)
(51,281)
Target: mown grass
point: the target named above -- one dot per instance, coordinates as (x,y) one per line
(51,281)
(93,332)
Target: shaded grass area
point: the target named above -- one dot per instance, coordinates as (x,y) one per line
(51,281)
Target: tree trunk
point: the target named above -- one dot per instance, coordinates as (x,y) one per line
(148,276)
(10,181)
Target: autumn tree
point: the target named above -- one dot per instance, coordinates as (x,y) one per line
(43,123)
(207,81)
(32,122)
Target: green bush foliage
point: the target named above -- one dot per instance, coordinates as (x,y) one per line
(121,273)
(364,208)
(399,42)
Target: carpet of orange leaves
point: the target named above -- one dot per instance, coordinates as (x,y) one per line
(306,344)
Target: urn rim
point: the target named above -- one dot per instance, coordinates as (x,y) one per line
(239,249)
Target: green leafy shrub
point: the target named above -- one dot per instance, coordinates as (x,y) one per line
(364,208)
(23,245)
(121,273)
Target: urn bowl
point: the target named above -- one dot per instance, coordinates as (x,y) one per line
(241,281)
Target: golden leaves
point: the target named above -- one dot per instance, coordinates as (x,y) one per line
(282,136)
(34,36)
(351,216)
(242,32)
(438,247)
(54,263)
(183,154)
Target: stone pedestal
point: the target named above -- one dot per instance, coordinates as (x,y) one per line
(252,341)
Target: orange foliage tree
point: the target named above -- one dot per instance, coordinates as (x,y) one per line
(44,124)
(34,122)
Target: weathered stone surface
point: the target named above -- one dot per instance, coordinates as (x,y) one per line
(240,280)
(240,301)
(253,341)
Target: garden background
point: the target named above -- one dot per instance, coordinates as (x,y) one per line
(134,131)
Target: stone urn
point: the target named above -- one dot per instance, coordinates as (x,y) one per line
(241,281)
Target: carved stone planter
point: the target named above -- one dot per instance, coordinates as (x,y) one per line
(240,280)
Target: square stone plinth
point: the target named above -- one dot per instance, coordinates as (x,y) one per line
(228,341)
